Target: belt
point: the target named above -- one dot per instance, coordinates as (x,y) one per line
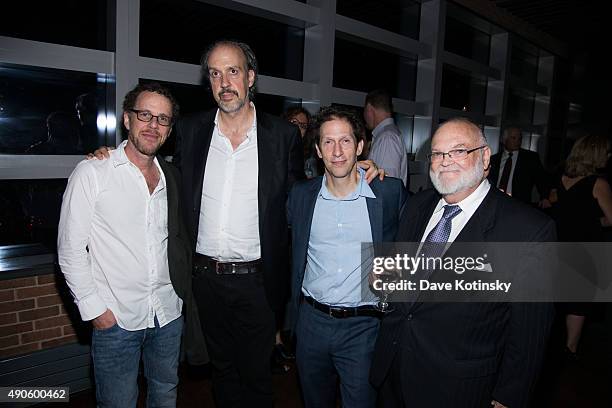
(204,263)
(340,312)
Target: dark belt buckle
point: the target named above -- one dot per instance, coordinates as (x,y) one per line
(336,312)
(220,268)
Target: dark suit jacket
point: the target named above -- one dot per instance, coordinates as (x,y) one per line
(279,150)
(466,354)
(179,263)
(384,212)
(528,172)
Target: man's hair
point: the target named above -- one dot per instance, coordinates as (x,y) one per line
(589,154)
(330,113)
(473,127)
(380,99)
(507,130)
(130,98)
(249,56)
(294,111)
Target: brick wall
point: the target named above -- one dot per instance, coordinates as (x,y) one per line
(33,315)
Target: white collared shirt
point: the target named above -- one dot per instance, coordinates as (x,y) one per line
(502,163)
(468,206)
(107,208)
(228,228)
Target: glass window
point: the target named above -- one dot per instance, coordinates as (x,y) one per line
(406,125)
(51,111)
(524,66)
(193,25)
(30,210)
(401,16)
(363,69)
(520,104)
(69,22)
(464,40)
(463,90)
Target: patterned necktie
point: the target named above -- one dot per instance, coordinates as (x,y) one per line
(434,246)
(436,240)
(505,178)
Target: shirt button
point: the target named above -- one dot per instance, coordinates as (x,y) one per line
(339,225)
(339,269)
(409,317)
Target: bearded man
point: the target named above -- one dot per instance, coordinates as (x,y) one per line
(432,354)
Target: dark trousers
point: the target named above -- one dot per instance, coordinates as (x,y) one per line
(328,348)
(238,325)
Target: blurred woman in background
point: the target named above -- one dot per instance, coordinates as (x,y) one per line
(583,202)
(301,118)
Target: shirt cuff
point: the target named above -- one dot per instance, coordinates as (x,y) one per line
(91,307)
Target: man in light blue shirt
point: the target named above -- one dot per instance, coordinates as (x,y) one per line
(331,216)
(387,149)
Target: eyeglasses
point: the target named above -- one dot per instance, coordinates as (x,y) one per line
(146,116)
(455,154)
(301,125)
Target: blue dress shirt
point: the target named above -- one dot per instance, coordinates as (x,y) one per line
(333,265)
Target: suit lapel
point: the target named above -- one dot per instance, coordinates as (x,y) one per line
(201,144)
(171,196)
(375,211)
(266,160)
(310,200)
(425,212)
(416,225)
(481,221)
(517,168)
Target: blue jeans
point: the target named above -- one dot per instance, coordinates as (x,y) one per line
(327,348)
(116,357)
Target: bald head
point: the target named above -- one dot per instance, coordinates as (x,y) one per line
(464,127)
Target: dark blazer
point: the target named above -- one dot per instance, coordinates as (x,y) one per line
(466,354)
(179,263)
(384,212)
(279,150)
(528,172)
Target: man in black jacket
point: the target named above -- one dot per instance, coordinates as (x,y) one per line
(432,354)
(237,165)
(517,171)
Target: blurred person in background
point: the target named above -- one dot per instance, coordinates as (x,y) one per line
(583,205)
(301,118)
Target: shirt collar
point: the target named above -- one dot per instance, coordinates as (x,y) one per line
(252,132)
(119,156)
(470,201)
(514,152)
(361,190)
(378,129)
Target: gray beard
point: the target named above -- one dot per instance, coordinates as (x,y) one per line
(235,106)
(466,180)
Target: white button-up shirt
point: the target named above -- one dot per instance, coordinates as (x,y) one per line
(107,208)
(228,228)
